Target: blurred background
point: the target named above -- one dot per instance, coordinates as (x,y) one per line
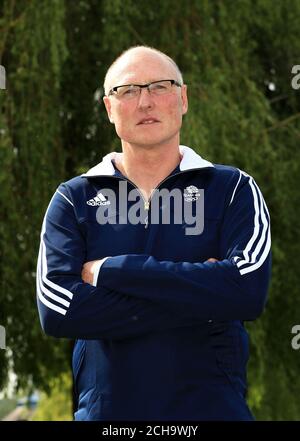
(237,58)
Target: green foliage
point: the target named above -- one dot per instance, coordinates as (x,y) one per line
(52,127)
(57,404)
(32,163)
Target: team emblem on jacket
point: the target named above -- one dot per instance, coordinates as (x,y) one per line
(191,193)
(98,200)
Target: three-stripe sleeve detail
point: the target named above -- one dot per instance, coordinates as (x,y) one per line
(259,244)
(50,294)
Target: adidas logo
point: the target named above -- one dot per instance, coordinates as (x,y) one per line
(98,200)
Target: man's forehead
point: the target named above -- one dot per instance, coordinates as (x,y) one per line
(142,68)
(134,77)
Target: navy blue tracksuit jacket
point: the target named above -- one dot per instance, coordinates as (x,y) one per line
(160,336)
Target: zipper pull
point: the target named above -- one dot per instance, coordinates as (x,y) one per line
(146,207)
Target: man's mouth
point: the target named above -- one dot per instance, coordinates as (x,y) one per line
(148,121)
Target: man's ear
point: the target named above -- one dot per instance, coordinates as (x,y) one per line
(107,104)
(184,98)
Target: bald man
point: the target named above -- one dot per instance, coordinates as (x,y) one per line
(152,260)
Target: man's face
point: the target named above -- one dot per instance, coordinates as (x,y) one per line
(147,119)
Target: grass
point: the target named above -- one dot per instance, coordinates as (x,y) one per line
(6,406)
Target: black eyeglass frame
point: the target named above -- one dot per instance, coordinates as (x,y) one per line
(142,86)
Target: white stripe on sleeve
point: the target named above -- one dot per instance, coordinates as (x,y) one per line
(41,297)
(261,236)
(67,199)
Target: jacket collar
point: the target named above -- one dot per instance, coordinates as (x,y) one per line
(190,160)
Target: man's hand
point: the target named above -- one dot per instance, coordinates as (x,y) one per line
(88,269)
(212,259)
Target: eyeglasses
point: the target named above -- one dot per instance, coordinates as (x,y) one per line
(129,91)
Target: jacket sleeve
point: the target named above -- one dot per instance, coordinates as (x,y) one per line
(70,308)
(233,288)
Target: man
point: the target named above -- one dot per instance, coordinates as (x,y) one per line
(157,310)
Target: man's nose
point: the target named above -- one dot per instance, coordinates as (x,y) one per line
(145,99)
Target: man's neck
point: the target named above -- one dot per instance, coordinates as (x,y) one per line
(146,167)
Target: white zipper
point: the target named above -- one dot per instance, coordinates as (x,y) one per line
(147,203)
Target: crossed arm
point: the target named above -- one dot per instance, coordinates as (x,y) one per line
(89,269)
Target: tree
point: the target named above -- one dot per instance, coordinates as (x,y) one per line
(236,58)
(33,50)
